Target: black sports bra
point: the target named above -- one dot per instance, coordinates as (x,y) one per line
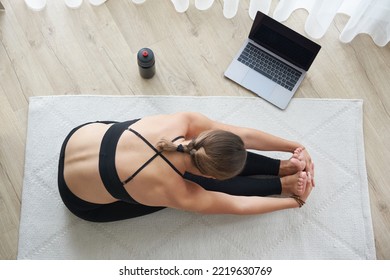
(107,167)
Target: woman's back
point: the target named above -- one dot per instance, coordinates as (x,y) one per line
(153,182)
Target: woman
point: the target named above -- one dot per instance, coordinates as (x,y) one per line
(111,171)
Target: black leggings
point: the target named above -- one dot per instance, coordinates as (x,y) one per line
(259,178)
(243,185)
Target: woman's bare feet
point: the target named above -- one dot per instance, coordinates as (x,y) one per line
(291,166)
(294,184)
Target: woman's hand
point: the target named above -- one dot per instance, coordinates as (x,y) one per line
(309,165)
(309,187)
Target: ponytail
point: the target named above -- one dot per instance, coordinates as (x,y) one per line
(169,146)
(166,145)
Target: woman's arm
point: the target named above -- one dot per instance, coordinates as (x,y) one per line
(253,138)
(192,197)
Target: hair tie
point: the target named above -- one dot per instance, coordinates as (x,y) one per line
(180,148)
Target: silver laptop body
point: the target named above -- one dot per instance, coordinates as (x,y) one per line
(273,61)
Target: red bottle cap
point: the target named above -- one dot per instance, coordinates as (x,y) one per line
(145,53)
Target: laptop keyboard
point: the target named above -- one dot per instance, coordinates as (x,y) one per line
(269,66)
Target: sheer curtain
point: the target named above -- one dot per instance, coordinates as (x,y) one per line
(366,16)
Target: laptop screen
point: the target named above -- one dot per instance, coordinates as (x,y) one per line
(283,41)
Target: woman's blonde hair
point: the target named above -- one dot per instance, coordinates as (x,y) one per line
(217,153)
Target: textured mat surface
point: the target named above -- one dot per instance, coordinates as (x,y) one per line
(334,224)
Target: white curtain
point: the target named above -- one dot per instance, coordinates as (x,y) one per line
(366,16)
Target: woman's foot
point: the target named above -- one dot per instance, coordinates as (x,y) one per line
(294,184)
(291,166)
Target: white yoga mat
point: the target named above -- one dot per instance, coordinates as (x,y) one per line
(335,223)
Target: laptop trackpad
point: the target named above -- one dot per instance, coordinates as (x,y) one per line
(258,83)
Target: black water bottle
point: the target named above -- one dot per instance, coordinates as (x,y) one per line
(146,63)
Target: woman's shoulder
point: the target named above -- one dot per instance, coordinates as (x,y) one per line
(185,116)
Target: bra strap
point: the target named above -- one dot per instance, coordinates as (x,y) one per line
(177,138)
(158,153)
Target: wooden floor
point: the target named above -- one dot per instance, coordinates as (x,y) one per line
(92,50)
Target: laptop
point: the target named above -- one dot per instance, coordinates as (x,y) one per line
(273,61)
